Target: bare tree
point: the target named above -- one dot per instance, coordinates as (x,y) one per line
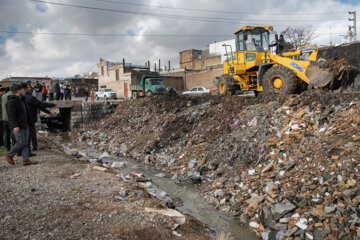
(298,37)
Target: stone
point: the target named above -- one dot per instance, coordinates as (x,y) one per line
(281,226)
(329,209)
(280,209)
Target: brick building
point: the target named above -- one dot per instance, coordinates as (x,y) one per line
(198,59)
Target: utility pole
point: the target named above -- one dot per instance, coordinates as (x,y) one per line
(354,23)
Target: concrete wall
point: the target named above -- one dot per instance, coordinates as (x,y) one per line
(350,52)
(85,115)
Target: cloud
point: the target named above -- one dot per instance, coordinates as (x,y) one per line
(57,55)
(41,7)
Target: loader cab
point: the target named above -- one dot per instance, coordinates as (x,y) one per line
(251,45)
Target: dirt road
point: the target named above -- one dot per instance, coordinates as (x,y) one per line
(61,198)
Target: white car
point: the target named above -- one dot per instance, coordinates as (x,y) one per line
(197,91)
(105,93)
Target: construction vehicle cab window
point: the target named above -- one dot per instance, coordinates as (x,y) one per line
(253,67)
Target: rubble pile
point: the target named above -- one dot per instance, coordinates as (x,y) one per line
(286,165)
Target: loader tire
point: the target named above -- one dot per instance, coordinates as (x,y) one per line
(223,87)
(281,80)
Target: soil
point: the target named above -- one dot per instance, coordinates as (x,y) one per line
(61,198)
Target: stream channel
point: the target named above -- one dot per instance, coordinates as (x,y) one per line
(192,202)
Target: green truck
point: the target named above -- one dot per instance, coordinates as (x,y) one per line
(147,86)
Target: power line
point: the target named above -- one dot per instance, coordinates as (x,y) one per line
(204,19)
(110,34)
(122,35)
(215,11)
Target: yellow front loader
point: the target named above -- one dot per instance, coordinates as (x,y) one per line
(252,67)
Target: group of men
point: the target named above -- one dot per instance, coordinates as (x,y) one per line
(52,91)
(19,109)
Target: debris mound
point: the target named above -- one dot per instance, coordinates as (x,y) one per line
(286,165)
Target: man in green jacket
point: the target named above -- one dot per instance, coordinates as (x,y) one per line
(280,45)
(7,132)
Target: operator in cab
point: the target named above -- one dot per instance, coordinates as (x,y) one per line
(280,45)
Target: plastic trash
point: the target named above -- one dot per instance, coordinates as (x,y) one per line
(118,165)
(104,155)
(67,150)
(161,195)
(93,160)
(82,154)
(160,175)
(192,164)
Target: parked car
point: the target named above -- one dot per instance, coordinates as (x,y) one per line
(197,91)
(105,93)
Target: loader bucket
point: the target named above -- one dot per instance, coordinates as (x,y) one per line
(319,77)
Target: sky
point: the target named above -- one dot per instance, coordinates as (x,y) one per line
(86,33)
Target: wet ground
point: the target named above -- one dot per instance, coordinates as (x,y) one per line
(186,197)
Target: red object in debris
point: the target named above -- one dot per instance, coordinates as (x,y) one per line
(138,128)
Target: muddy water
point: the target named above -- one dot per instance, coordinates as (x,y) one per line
(192,202)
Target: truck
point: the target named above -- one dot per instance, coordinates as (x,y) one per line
(147,86)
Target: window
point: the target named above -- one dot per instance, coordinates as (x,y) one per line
(240,42)
(117,75)
(156,82)
(194,89)
(256,40)
(102,71)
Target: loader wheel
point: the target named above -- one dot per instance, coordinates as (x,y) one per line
(280,79)
(223,86)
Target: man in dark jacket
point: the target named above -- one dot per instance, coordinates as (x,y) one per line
(19,121)
(33,104)
(57,90)
(38,88)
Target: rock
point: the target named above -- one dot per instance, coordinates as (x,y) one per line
(268,217)
(329,209)
(281,226)
(123,148)
(280,209)
(269,187)
(101,169)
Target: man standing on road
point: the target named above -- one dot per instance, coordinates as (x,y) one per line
(19,121)
(51,89)
(57,90)
(38,90)
(9,138)
(33,104)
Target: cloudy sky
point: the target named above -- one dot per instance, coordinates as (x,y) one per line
(43,38)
